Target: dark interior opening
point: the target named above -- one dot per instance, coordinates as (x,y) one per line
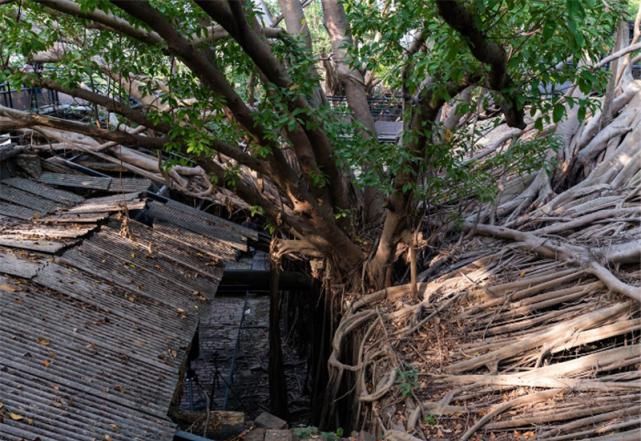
(228,366)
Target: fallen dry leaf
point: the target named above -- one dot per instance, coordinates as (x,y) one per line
(7,288)
(46,363)
(42,341)
(15,417)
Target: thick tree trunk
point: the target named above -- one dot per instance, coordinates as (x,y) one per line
(354,85)
(297,25)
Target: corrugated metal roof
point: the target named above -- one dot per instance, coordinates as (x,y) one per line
(46,191)
(76,181)
(97,315)
(129,185)
(26,199)
(114,185)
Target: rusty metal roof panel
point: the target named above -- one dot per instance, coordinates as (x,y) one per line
(114,245)
(45,191)
(26,199)
(190,256)
(35,307)
(136,305)
(212,247)
(75,181)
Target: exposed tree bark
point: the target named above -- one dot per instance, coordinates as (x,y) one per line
(26,119)
(353,84)
(296,24)
(323,230)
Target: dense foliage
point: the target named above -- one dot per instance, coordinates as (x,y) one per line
(201,87)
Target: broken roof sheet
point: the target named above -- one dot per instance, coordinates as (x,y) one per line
(114,185)
(98,311)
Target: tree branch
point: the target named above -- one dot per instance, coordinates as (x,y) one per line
(314,149)
(105,18)
(488,52)
(26,119)
(111,105)
(324,231)
(555,249)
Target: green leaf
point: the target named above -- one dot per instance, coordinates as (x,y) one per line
(558,112)
(538,124)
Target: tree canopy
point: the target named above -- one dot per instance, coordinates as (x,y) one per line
(229,93)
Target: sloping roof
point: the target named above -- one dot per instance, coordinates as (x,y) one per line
(97,310)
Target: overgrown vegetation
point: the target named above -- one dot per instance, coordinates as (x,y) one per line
(513,118)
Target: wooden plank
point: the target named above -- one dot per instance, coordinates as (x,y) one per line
(26,199)
(75,181)
(65,217)
(130,201)
(11,263)
(16,211)
(54,194)
(44,231)
(44,246)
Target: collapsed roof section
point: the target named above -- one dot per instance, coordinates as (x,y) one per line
(98,309)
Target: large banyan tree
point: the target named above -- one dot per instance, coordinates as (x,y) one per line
(231,89)
(520,121)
